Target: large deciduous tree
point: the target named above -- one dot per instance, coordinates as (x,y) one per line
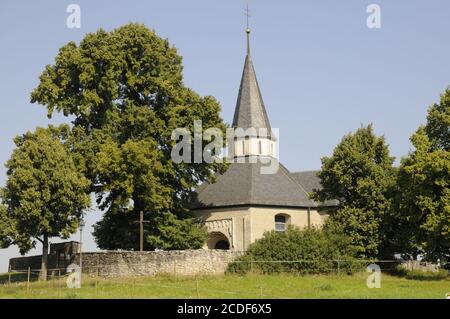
(5,227)
(437,127)
(44,196)
(125,91)
(360,174)
(422,205)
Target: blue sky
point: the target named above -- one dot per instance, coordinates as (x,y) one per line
(321,70)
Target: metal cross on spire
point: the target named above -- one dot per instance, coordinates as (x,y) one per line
(247,14)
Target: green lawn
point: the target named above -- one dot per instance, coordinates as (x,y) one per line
(230,286)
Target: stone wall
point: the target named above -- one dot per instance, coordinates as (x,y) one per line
(420,265)
(130,263)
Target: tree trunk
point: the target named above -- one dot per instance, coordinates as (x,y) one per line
(44,262)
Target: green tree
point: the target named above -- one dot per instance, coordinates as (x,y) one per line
(360,174)
(422,204)
(438,123)
(5,227)
(124,89)
(44,196)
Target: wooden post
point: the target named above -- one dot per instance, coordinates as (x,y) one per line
(174,266)
(141,231)
(196,286)
(96,278)
(59,282)
(141,222)
(9,275)
(28,280)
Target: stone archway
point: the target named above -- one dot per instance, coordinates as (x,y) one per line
(218,240)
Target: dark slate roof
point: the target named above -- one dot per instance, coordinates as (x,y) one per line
(308,179)
(250,110)
(311,182)
(243,184)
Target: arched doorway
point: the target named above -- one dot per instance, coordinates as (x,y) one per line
(218,240)
(222,244)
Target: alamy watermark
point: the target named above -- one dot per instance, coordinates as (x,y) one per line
(73,21)
(237,145)
(374,279)
(374,19)
(74,276)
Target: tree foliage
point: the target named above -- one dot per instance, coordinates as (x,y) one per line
(438,123)
(125,90)
(45,195)
(360,174)
(5,228)
(309,250)
(422,205)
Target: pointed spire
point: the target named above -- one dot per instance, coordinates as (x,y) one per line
(250,110)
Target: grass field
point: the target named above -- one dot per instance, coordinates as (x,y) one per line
(229,286)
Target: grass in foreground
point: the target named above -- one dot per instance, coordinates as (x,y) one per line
(231,286)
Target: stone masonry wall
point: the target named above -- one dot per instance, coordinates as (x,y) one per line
(131,263)
(420,265)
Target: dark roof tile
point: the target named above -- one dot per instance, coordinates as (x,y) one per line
(243,184)
(311,182)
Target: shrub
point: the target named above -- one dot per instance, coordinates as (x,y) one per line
(310,250)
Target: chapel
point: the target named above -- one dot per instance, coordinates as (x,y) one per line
(245,201)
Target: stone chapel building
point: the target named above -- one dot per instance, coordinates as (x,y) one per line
(243,203)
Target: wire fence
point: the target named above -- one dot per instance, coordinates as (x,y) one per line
(318,266)
(98,280)
(101,287)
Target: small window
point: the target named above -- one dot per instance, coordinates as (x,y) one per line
(260,147)
(280,223)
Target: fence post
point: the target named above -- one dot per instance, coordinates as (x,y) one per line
(174,266)
(96,277)
(196,287)
(59,282)
(338,268)
(9,275)
(28,280)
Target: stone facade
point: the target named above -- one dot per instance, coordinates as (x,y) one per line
(241,226)
(131,263)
